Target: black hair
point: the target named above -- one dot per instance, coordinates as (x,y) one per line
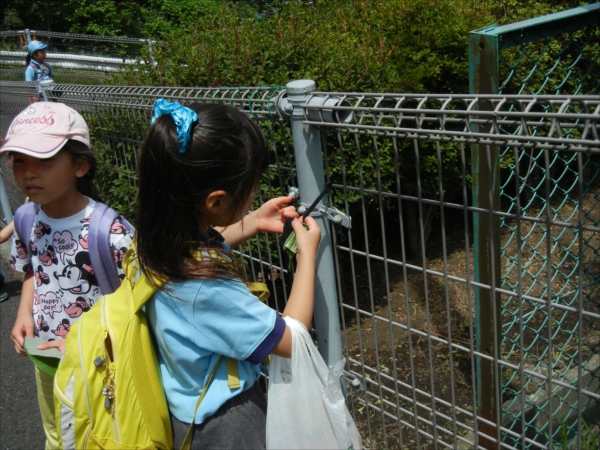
(227,152)
(29,57)
(85,184)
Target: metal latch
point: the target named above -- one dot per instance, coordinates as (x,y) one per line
(333,214)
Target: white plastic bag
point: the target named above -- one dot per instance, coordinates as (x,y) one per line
(306,407)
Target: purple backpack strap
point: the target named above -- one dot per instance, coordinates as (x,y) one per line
(101,256)
(24,218)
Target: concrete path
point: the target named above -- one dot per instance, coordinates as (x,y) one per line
(20,423)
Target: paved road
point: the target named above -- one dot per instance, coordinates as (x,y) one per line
(20,423)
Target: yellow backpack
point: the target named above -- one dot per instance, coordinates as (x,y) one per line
(108,390)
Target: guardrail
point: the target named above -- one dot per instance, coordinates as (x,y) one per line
(72,55)
(70,61)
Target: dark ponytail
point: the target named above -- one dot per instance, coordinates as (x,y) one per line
(85,184)
(227,152)
(27,59)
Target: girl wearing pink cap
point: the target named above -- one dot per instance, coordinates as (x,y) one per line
(54,166)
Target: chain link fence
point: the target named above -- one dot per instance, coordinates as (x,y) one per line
(554,54)
(400,220)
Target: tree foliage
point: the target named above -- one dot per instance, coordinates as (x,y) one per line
(396,45)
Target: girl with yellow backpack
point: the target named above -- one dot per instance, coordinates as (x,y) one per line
(198,170)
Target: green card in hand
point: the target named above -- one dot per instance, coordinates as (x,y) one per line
(291,246)
(45,360)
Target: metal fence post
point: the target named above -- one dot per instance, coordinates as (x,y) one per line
(150,51)
(28,36)
(43,86)
(311,181)
(485,166)
(6,209)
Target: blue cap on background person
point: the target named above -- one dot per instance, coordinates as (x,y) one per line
(34,46)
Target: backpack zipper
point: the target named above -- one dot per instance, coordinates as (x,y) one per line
(111,364)
(85,386)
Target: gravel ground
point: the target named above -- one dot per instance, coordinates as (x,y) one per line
(20,423)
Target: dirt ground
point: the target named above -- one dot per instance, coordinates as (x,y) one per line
(398,360)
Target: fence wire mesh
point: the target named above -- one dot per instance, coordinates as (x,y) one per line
(74,58)
(400,167)
(548,261)
(403,164)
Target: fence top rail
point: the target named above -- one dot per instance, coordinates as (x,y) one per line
(433,96)
(479,105)
(448,108)
(544,26)
(89,37)
(258,101)
(497,100)
(525,119)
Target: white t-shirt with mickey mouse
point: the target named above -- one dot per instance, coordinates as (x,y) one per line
(57,254)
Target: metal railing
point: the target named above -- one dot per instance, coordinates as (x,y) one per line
(397,263)
(81,57)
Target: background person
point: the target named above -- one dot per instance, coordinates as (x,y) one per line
(37,69)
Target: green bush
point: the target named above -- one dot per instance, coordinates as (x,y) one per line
(391,46)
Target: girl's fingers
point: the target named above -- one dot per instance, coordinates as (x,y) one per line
(285,200)
(297,225)
(280,202)
(289,212)
(18,346)
(313,228)
(312,224)
(59,344)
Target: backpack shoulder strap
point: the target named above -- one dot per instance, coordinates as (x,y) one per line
(187,443)
(24,218)
(125,222)
(142,289)
(101,256)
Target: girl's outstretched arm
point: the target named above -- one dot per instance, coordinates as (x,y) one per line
(302,298)
(24,324)
(269,218)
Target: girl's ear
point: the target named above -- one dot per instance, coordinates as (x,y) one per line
(218,208)
(217,202)
(82,167)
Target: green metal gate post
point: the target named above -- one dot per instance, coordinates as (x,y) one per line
(486,62)
(485,161)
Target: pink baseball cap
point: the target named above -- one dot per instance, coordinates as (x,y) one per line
(43,128)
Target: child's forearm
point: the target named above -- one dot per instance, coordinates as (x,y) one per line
(300,305)
(24,326)
(239,232)
(27,294)
(7,232)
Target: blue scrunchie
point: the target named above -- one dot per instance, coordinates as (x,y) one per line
(183,117)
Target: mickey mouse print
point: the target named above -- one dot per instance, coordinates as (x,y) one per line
(65,283)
